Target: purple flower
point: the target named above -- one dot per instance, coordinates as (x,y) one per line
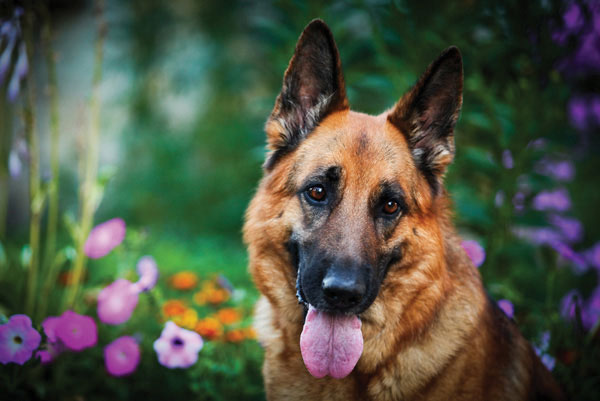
(14,164)
(569,304)
(18,340)
(50,324)
(519,201)
(225,283)
(561,171)
(548,360)
(538,144)
(104,237)
(507,159)
(507,307)
(557,200)
(117,301)
(593,255)
(537,236)
(177,347)
(595,102)
(122,356)
(44,356)
(475,252)
(566,252)
(76,331)
(499,198)
(570,228)
(578,113)
(591,310)
(148,271)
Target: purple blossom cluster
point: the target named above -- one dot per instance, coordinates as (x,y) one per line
(13,49)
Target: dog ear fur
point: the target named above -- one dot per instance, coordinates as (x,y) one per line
(313,87)
(427,114)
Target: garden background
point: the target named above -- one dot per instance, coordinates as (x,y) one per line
(148,115)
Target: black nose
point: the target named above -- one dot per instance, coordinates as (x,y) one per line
(343,288)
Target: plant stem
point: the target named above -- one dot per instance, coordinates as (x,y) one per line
(36,197)
(53,186)
(88,193)
(4,154)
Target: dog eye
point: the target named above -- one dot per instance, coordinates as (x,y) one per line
(317,193)
(390,207)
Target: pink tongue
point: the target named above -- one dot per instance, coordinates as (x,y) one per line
(330,344)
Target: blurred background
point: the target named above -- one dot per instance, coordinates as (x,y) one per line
(152,112)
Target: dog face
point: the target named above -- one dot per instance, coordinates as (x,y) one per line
(360,187)
(350,204)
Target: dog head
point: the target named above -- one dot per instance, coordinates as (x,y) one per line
(348,198)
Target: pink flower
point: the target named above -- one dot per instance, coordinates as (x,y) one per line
(49,325)
(104,237)
(44,356)
(18,340)
(117,301)
(76,331)
(148,271)
(177,347)
(507,307)
(475,252)
(122,356)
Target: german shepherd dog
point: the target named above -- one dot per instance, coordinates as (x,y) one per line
(367,293)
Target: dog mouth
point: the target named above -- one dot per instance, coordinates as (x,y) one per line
(330,343)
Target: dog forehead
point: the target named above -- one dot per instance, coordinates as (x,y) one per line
(361,144)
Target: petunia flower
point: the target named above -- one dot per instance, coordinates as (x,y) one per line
(148,271)
(117,301)
(122,356)
(44,356)
(18,340)
(177,347)
(507,307)
(76,331)
(50,325)
(475,252)
(104,238)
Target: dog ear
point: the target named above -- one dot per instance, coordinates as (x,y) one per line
(313,87)
(427,114)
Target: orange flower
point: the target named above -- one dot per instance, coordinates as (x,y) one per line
(185,280)
(200,297)
(173,307)
(217,296)
(250,333)
(209,328)
(235,336)
(228,316)
(187,320)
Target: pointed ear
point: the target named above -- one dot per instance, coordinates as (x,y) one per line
(313,87)
(426,115)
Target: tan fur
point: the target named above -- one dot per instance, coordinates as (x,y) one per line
(431,333)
